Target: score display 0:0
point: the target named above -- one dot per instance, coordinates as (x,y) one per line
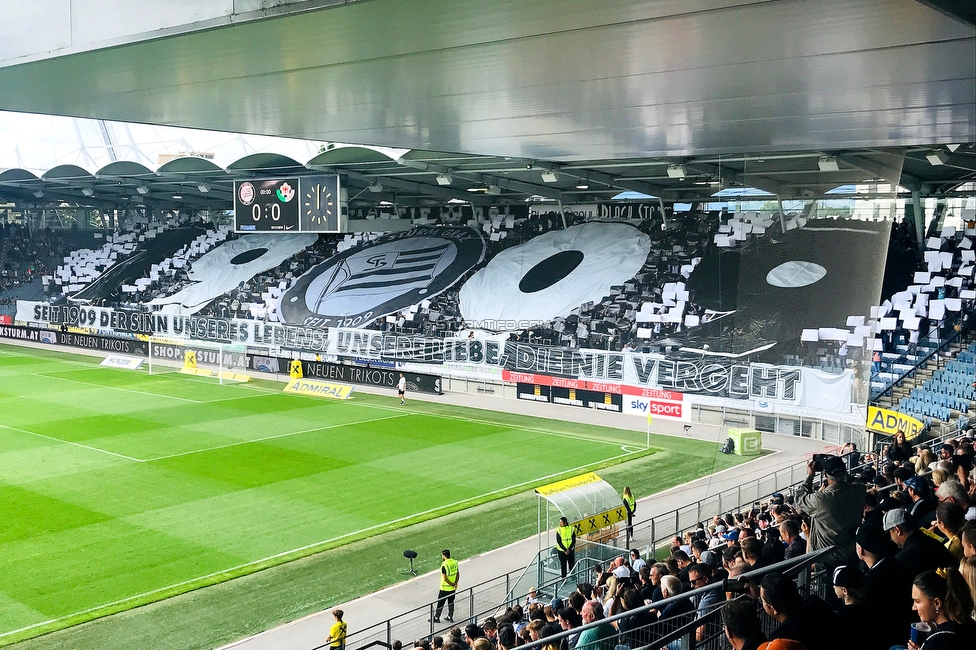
(275,212)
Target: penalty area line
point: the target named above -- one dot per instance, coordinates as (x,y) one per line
(76,444)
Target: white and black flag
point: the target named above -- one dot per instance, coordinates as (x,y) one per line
(381,277)
(552,274)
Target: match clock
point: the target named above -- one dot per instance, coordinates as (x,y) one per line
(320,204)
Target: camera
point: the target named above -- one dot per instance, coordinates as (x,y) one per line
(818,461)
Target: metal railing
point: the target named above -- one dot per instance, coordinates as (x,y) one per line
(488,597)
(682,629)
(650,533)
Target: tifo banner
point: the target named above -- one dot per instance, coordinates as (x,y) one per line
(230,264)
(891,422)
(713,376)
(381,277)
(552,274)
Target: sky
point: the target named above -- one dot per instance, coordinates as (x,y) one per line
(40,142)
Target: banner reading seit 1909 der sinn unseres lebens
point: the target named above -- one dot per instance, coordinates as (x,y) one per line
(718,377)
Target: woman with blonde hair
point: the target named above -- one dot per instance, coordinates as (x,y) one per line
(923,460)
(967,569)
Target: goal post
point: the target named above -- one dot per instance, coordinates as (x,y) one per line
(221,361)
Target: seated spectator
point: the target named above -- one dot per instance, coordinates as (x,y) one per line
(635,627)
(943,601)
(684,564)
(968,538)
(809,621)
(922,508)
(949,520)
(741,625)
(671,586)
(752,554)
(919,552)
(568,619)
(701,576)
(967,568)
(789,532)
(506,637)
(599,637)
(952,490)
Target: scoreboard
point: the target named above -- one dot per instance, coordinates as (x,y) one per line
(306,204)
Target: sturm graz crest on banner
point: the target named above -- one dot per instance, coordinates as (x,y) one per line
(381,277)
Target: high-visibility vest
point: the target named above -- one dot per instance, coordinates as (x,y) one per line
(449,569)
(631,503)
(565,536)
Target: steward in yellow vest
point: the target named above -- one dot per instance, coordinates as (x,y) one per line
(450,574)
(565,546)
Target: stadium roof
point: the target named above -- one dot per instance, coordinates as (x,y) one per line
(420,178)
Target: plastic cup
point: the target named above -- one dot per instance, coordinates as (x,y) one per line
(920,632)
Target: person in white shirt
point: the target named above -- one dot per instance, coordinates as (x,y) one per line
(402,389)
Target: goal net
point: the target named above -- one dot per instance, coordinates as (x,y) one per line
(226,363)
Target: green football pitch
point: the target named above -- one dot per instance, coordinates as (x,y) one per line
(118,488)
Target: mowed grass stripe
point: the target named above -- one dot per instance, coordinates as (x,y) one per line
(171,522)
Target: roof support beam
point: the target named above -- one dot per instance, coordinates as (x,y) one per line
(759,182)
(879,170)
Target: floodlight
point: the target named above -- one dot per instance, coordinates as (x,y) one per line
(177,196)
(549,176)
(375,187)
(937,158)
(828,164)
(444,179)
(203,187)
(482,189)
(142,189)
(39,194)
(582,184)
(676,171)
(494,190)
(87,191)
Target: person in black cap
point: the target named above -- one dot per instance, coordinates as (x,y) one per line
(852,610)
(835,511)
(886,587)
(922,508)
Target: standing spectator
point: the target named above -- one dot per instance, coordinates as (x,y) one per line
(630,503)
(402,389)
(853,611)
(900,451)
(835,511)
(886,585)
(565,546)
(450,575)
(337,634)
